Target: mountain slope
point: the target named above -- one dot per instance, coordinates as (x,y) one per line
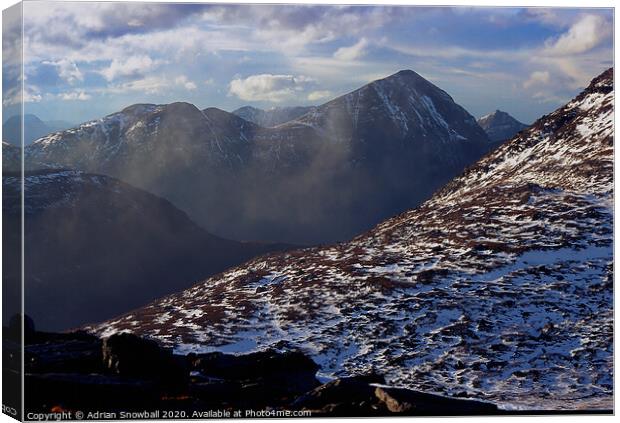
(499,287)
(326,176)
(271,117)
(500,126)
(96,247)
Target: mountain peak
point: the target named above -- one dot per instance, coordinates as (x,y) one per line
(182,107)
(406,76)
(138,108)
(406,72)
(403,106)
(500,125)
(603,84)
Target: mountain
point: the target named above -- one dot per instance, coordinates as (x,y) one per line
(323,177)
(500,126)
(34,128)
(499,287)
(96,247)
(273,116)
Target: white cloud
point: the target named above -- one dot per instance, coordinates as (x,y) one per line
(353,52)
(319,95)
(546,97)
(186,83)
(13,95)
(549,16)
(537,78)
(293,29)
(588,33)
(67,70)
(131,67)
(268,87)
(74,96)
(148,85)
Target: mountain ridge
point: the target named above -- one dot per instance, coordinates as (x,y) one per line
(322,177)
(273,116)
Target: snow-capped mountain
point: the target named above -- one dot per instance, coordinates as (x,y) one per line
(500,126)
(328,175)
(145,135)
(273,116)
(498,287)
(96,247)
(401,107)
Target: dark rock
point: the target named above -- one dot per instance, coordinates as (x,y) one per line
(65,356)
(218,392)
(124,372)
(409,402)
(360,396)
(264,378)
(351,396)
(128,355)
(265,364)
(14,330)
(88,392)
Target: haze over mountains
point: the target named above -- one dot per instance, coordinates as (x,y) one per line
(271,117)
(499,287)
(325,176)
(34,128)
(96,247)
(500,126)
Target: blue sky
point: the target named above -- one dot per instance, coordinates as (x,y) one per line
(86,60)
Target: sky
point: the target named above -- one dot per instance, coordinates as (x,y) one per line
(86,60)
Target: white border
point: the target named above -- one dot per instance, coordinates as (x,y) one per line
(489,3)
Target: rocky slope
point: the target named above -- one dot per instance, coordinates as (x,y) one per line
(96,247)
(271,117)
(500,126)
(126,374)
(328,175)
(499,287)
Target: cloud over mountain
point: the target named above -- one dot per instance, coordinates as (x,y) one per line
(268,87)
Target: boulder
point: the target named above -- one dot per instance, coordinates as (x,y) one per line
(351,396)
(14,330)
(363,396)
(128,355)
(263,364)
(266,378)
(410,402)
